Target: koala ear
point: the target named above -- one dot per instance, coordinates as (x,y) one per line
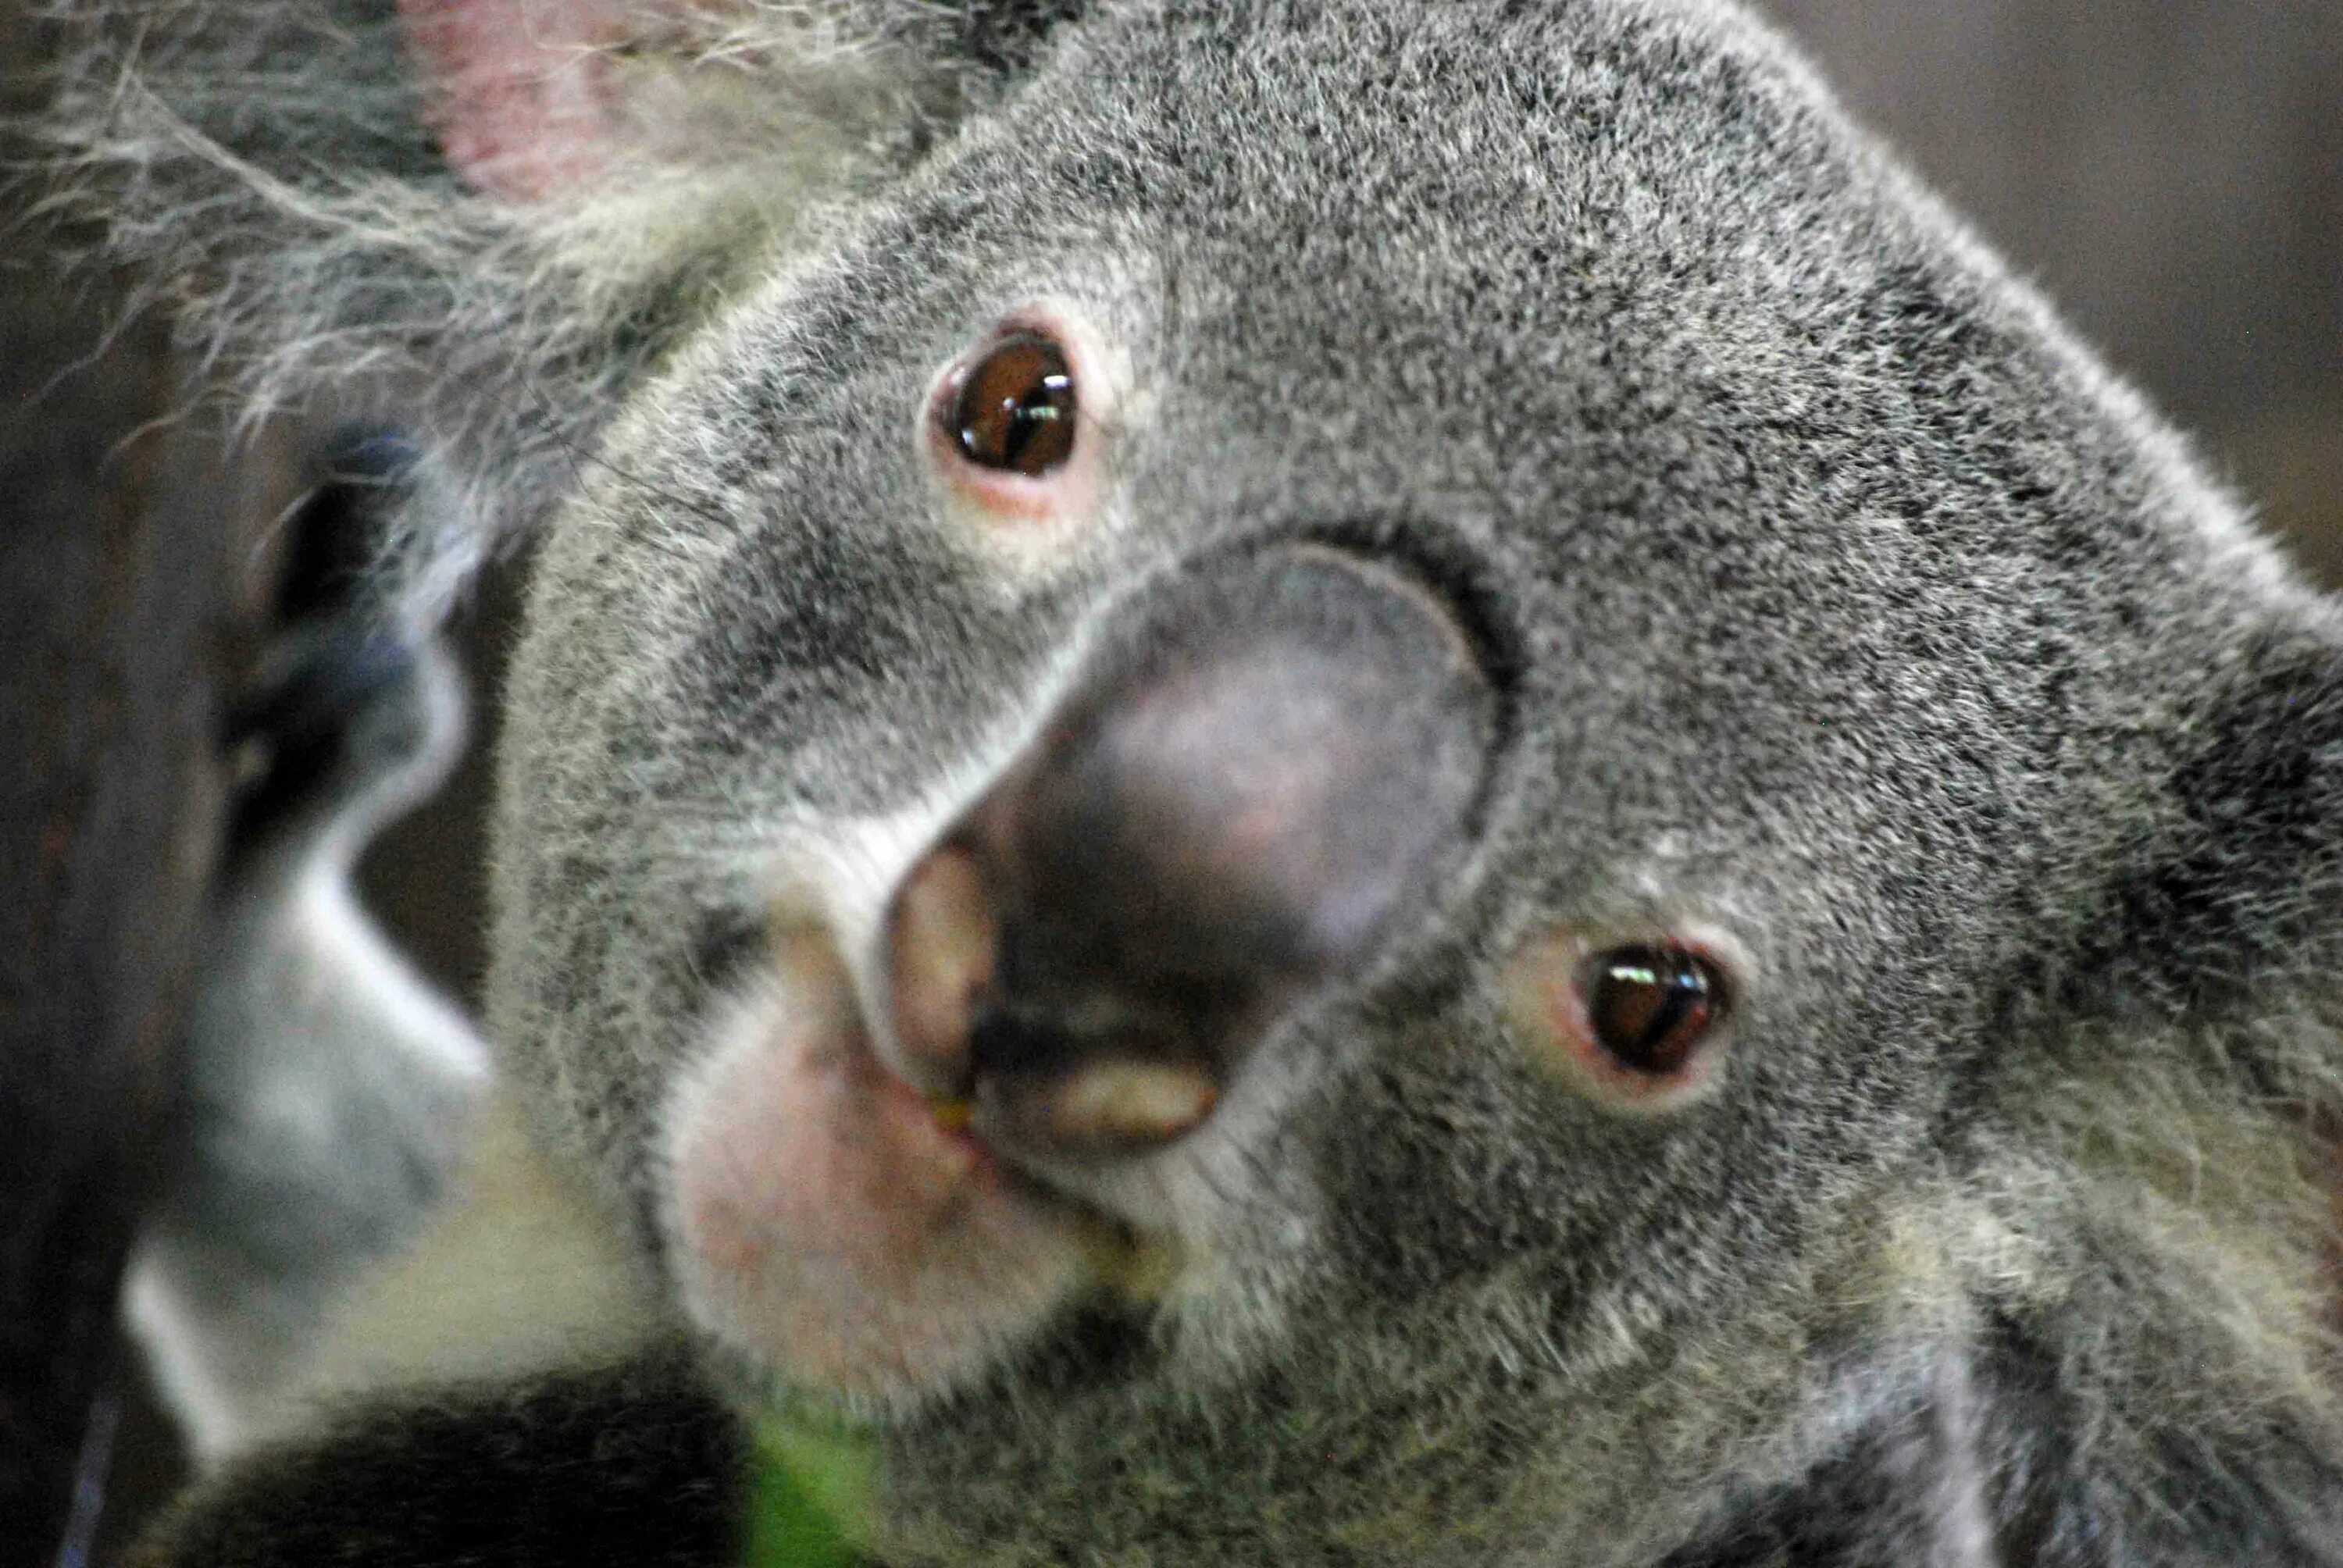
(483,218)
(532,99)
(2223,898)
(541,98)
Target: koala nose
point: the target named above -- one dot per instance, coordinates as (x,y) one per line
(1258,770)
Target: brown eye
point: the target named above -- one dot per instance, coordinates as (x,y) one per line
(1016,409)
(1650,1006)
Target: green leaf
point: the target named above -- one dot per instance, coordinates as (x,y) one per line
(811,1499)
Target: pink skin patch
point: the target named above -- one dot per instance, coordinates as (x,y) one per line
(834,1224)
(521,92)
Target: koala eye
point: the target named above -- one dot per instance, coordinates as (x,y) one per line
(1649,1006)
(1015,409)
(1637,1025)
(996,435)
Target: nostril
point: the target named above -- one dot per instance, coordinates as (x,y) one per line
(1093,1072)
(1008,1045)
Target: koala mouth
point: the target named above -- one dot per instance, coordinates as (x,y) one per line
(1265,764)
(845,1231)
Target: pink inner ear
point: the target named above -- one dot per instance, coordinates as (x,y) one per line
(521,92)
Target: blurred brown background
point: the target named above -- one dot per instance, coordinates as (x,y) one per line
(2171,171)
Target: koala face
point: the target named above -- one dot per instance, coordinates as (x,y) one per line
(1440,846)
(1395,783)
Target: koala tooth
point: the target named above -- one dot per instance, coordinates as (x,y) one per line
(1112,1105)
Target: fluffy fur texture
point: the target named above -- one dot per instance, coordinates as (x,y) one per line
(303,222)
(1838,601)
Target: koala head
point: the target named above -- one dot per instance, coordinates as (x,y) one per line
(1346,781)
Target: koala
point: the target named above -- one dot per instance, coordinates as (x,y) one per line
(327,1085)
(1308,782)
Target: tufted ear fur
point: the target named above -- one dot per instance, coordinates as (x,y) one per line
(490,216)
(2222,906)
(2161,1091)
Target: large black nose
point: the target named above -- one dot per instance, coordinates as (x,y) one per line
(1253,777)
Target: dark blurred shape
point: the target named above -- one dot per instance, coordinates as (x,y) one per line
(335,651)
(327,557)
(114,573)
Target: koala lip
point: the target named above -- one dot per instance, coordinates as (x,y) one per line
(829,1223)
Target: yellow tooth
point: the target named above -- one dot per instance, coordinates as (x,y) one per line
(951,1113)
(1125,1102)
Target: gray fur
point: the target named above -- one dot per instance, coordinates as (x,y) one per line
(1842,602)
